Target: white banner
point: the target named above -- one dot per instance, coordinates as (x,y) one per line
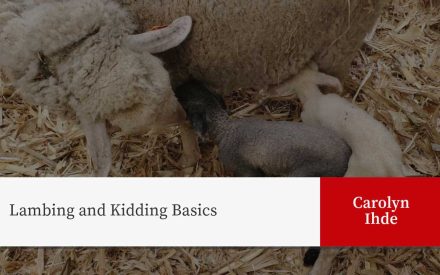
(159,212)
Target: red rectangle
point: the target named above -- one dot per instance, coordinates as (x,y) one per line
(406,212)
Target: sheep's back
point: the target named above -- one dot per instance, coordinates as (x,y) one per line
(281,148)
(255,43)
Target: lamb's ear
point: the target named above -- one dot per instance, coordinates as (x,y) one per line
(98,145)
(163,39)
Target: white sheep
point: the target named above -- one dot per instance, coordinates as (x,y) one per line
(376,152)
(81,56)
(260,44)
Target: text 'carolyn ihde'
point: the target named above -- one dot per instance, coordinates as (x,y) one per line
(113,210)
(388,204)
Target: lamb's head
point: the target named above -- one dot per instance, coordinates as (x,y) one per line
(200,105)
(81,54)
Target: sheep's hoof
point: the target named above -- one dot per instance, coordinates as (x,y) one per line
(311,256)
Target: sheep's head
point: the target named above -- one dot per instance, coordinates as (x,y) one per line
(158,106)
(81,55)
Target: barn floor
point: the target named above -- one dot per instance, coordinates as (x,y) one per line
(396,78)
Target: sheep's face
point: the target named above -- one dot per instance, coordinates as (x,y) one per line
(120,80)
(81,54)
(146,90)
(145,82)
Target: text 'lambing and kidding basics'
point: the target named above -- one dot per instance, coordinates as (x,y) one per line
(113,210)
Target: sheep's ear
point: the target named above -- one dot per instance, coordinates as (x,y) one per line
(98,145)
(163,39)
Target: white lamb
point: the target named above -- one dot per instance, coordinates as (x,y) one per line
(375,151)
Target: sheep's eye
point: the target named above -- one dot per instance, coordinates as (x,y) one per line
(44,71)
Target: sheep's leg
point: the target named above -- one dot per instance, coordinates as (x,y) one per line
(324,262)
(329,81)
(98,145)
(311,256)
(306,84)
(191,151)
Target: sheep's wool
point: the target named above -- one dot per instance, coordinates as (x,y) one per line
(260,44)
(69,54)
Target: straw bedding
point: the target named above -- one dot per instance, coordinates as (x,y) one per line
(396,78)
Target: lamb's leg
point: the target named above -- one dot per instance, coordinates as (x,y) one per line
(191,151)
(324,262)
(311,256)
(306,83)
(312,76)
(329,81)
(98,145)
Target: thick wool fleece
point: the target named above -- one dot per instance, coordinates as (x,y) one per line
(259,43)
(70,54)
